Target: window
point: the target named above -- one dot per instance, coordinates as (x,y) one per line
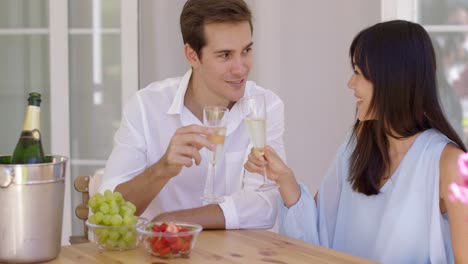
(447,24)
(82,55)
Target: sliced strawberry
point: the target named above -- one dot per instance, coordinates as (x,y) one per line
(157,246)
(164,251)
(177,245)
(187,238)
(183,229)
(186,247)
(151,240)
(171,228)
(156,228)
(169,240)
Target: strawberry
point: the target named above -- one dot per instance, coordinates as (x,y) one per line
(151,240)
(177,245)
(165,245)
(163,252)
(182,229)
(186,247)
(156,228)
(187,238)
(159,228)
(157,246)
(172,228)
(169,240)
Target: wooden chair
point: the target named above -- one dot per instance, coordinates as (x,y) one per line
(81,184)
(88,186)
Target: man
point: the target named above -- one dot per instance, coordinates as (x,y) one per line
(159,161)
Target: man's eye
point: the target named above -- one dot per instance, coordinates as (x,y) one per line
(224,55)
(247,50)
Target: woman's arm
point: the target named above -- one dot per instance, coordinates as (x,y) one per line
(457,212)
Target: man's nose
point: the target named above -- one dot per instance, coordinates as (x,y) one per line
(239,66)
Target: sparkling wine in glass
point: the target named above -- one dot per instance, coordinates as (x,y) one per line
(215,118)
(254,109)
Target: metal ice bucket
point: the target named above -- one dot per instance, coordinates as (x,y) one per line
(31,209)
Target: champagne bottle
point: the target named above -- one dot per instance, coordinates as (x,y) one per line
(29,147)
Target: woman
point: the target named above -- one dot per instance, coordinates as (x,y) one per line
(385,197)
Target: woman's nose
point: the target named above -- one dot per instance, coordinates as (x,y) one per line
(351,83)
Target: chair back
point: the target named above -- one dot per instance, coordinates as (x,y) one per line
(81,185)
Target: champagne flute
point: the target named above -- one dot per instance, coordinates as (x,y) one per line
(215,118)
(254,109)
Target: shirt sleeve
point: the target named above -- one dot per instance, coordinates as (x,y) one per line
(328,198)
(247,208)
(300,220)
(311,222)
(128,157)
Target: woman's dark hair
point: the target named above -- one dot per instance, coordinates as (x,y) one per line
(197,13)
(397,57)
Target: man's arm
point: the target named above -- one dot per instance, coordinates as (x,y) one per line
(245,208)
(209,216)
(182,151)
(142,189)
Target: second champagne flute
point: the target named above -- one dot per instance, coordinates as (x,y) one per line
(254,109)
(215,118)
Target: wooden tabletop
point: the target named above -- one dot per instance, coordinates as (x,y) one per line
(236,246)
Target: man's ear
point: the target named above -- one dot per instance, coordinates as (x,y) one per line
(191,55)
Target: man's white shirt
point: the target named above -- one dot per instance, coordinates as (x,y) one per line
(149,121)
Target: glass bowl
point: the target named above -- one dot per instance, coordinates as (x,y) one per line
(169,240)
(117,238)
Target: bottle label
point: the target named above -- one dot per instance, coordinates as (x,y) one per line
(31,121)
(35,109)
(29,150)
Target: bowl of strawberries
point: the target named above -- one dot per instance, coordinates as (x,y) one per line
(169,239)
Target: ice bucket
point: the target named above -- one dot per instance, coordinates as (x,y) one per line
(31,209)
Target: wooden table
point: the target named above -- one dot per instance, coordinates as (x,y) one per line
(237,246)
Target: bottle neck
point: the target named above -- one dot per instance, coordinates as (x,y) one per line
(32,119)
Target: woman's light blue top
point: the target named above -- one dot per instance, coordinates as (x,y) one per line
(402,224)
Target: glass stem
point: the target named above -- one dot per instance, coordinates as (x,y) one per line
(265,178)
(243,180)
(209,189)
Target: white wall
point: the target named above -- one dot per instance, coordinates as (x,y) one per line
(301,53)
(161,45)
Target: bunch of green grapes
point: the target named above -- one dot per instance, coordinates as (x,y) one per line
(111,210)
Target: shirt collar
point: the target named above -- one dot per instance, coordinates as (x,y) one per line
(178,102)
(235,114)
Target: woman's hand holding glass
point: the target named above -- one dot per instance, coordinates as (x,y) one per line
(254,109)
(276,170)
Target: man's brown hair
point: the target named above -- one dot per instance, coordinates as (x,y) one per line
(197,13)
